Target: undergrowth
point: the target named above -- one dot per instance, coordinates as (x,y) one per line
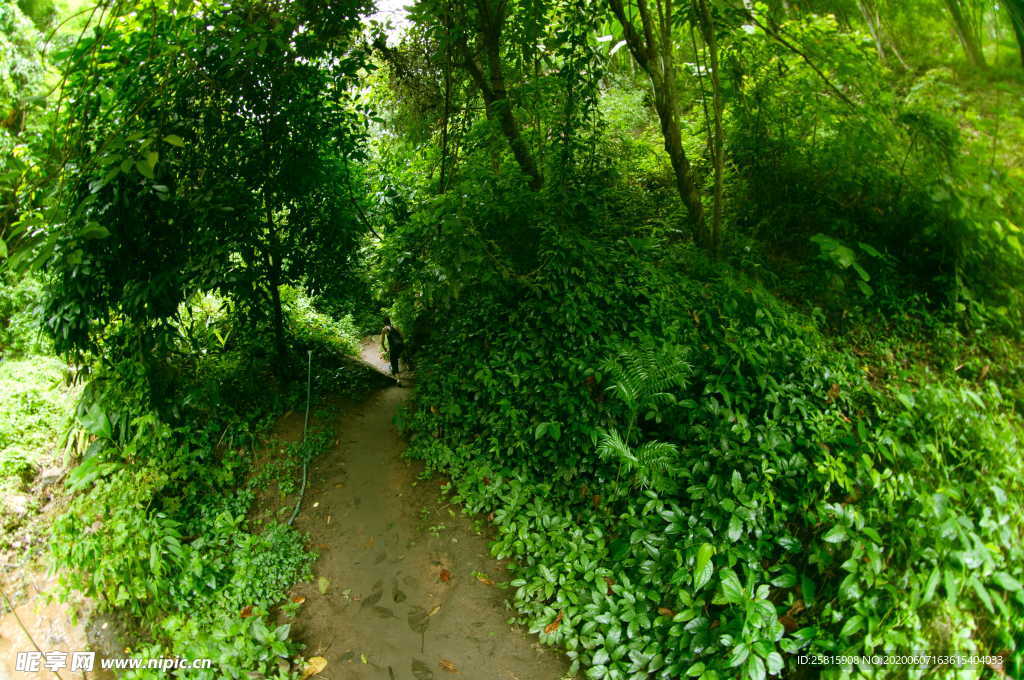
(693,481)
(158,525)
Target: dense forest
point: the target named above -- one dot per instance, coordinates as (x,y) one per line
(713,318)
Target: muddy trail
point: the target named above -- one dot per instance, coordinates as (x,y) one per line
(404,588)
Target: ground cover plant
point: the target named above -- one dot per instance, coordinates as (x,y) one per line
(712,312)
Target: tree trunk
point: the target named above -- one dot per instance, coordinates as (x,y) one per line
(870,15)
(491,22)
(1016,10)
(275,297)
(965,34)
(274,283)
(714,235)
(656,60)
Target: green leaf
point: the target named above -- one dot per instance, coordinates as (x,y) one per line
(852,626)
(174,140)
(755,668)
(703,567)
(775,663)
(96,422)
(929,587)
(695,670)
(731,588)
(735,528)
(739,654)
(1006,582)
(94,230)
(982,593)
(836,534)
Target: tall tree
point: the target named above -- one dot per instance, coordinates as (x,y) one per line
(209,163)
(648,34)
(966,31)
(1015,8)
(474,30)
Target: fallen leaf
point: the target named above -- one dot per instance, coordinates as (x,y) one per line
(299,599)
(323,584)
(665,611)
(483,579)
(446,576)
(448,666)
(833,392)
(797,607)
(553,626)
(788,622)
(246,611)
(434,610)
(362,657)
(314,665)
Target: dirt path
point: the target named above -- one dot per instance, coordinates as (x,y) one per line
(404,575)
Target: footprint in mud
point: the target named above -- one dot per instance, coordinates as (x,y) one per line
(419,619)
(374,597)
(421,671)
(398,595)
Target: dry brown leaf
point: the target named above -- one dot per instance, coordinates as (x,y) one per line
(833,392)
(448,666)
(553,626)
(246,611)
(483,579)
(314,665)
(788,622)
(665,611)
(446,576)
(797,607)
(299,599)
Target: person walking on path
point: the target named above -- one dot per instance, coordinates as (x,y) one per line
(391,340)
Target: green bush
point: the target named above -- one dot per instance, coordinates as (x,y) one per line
(759,500)
(21,316)
(35,405)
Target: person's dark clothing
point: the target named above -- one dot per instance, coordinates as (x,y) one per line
(395,346)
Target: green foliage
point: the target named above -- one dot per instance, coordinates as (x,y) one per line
(237,646)
(34,407)
(312,328)
(209,177)
(21,303)
(156,527)
(791,507)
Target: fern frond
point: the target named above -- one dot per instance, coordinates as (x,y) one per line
(641,374)
(656,464)
(611,446)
